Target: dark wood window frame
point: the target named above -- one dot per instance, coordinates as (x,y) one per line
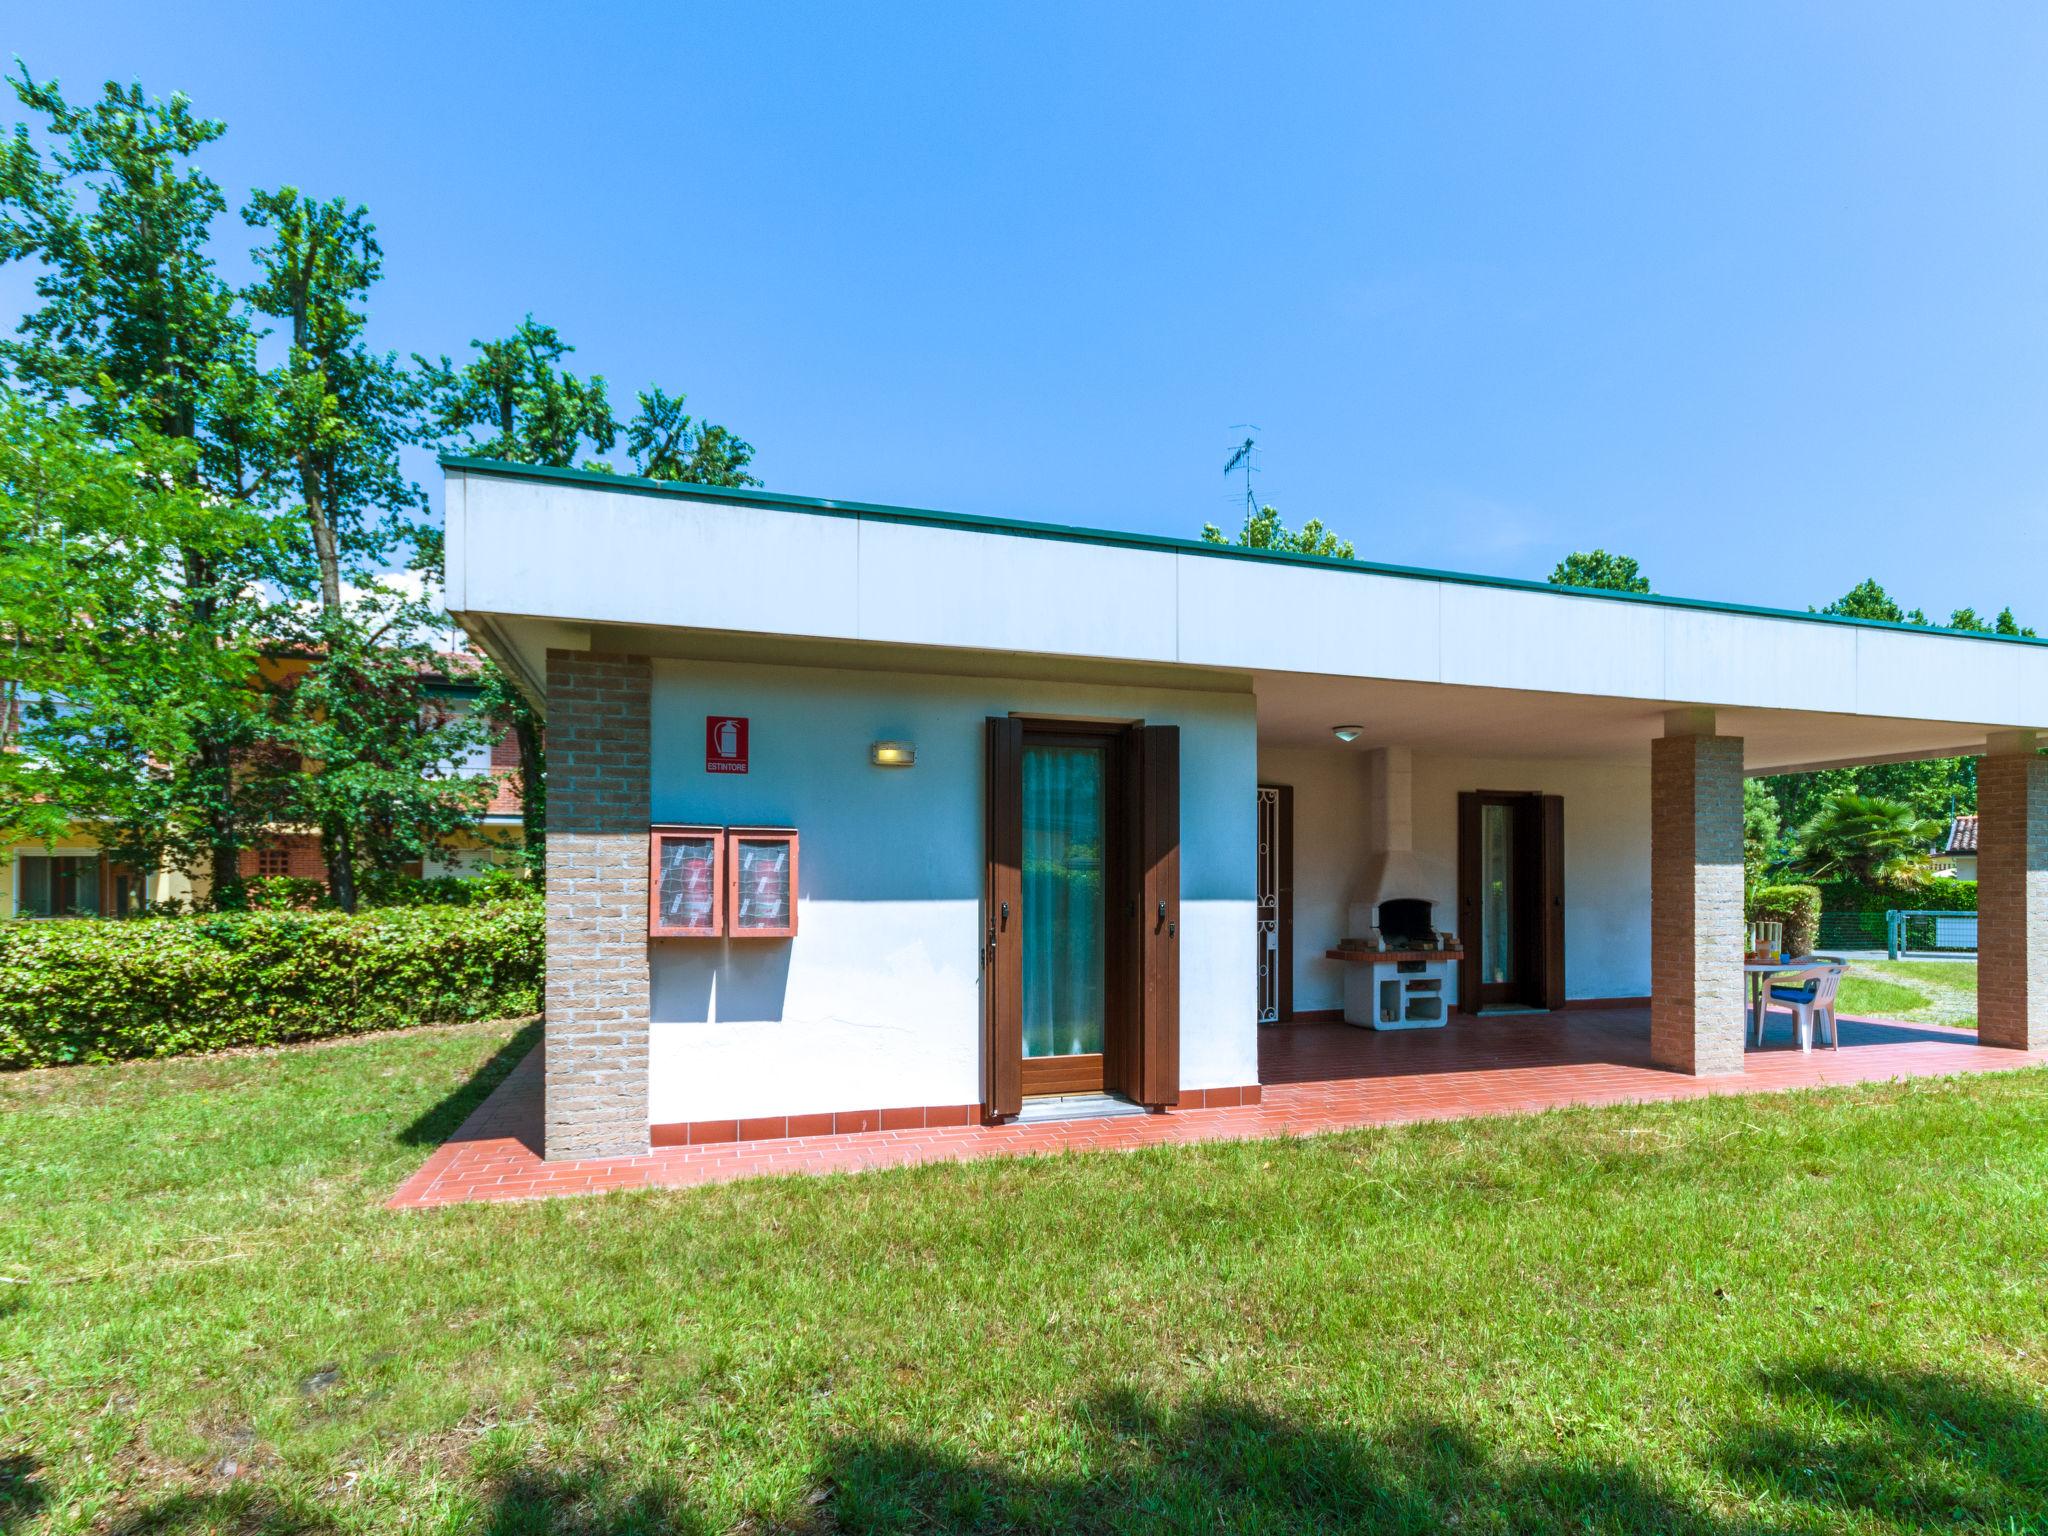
(1141,1044)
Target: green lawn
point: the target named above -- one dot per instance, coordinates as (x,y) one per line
(1814,1312)
(1912,991)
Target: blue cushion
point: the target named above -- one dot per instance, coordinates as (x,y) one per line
(1795,994)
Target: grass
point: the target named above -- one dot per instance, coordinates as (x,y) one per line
(1912,991)
(1823,1311)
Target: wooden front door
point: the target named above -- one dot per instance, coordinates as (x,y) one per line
(1081,974)
(1511,900)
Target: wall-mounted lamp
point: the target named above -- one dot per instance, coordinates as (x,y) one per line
(1347,732)
(893,754)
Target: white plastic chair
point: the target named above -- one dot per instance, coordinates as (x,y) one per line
(1809,995)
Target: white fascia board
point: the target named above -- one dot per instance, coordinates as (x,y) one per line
(1500,638)
(1294,618)
(993,591)
(1765,663)
(594,556)
(1901,674)
(454,541)
(579,553)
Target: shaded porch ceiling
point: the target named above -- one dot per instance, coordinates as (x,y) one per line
(1299,709)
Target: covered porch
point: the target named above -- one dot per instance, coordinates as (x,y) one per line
(1593,921)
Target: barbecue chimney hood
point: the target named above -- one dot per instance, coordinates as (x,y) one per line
(1398,874)
(1393,871)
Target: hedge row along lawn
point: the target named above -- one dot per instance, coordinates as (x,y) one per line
(1825,1311)
(91,989)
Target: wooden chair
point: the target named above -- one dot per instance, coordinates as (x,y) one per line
(1809,995)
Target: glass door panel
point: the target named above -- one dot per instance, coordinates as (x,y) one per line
(1065,900)
(1497,892)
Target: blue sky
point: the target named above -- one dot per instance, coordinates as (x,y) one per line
(1756,293)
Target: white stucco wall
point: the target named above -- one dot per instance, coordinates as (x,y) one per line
(1606,857)
(875,1002)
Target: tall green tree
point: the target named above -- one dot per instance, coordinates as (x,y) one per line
(1968,621)
(378,770)
(104,677)
(134,322)
(667,443)
(1597,568)
(1869,600)
(515,401)
(339,410)
(1263,529)
(367,755)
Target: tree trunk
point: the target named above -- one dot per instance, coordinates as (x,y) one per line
(338,843)
(224,844)
(323,536)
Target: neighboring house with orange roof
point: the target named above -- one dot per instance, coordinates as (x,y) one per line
(1957,856)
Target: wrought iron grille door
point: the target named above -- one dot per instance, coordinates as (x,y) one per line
(1269,906)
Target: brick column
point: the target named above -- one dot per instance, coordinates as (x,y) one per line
(596,1082)
(1696,931)
(2012,894)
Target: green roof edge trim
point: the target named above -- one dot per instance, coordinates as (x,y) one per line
(638,485)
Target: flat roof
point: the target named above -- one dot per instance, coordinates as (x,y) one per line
(931,518)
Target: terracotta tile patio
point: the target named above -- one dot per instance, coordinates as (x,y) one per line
(1318,1077)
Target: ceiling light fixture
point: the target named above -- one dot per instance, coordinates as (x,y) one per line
(1347,732)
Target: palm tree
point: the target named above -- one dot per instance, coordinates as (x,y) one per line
(1867,838)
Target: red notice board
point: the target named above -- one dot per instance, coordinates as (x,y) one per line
(725,743)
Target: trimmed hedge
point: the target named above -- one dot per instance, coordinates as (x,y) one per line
(97,989)
(1928,896)
(1796,906)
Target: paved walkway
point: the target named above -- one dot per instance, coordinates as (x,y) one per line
(1318,1077)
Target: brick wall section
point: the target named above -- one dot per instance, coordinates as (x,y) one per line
(1696,930)
(596,1082)
(304,858)
(2012,900)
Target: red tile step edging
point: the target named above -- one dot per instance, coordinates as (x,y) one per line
(909,1117)
(1220,1098)
(1319,1078)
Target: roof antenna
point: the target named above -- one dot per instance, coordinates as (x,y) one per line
(1244,456)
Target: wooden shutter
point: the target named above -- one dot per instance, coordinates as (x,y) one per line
(1468,901)
(1552,921)
(1002,954)
(1284,912)
(1159,914)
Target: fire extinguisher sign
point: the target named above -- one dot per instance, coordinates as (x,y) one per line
(725,743)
